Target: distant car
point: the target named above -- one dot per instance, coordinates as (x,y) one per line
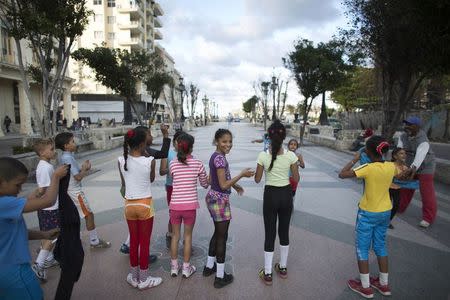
(335,123)
(236,120)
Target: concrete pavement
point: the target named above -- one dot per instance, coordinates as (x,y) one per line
(322,255)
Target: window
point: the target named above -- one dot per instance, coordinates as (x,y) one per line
(98,34)
(111,19)
(111,3)
(111,36)
(98,18)
(97,2)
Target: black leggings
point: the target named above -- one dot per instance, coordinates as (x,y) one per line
(395,197)
(278,203)
(218,243)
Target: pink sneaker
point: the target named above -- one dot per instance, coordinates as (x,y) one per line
(383,289)
(356,286)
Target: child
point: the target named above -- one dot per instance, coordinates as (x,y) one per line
(66,143)
(136,173)
(264,140)
(48,217)
(278,201)
(218,203)
(399,158)
(17,280)
(373,215)
(164,170)
(293,146)
(184,170)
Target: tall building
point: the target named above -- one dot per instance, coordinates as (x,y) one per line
(129,25)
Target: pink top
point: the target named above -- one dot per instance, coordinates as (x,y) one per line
(184,195)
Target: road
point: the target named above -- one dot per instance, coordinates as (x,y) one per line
(322,254)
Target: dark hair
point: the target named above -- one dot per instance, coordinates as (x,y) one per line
(377,146)
(220,133)
(10,168)
(395,152)
(277,133)
(185,145)
(133,139)
(63,139)
(177,134)
(293,140)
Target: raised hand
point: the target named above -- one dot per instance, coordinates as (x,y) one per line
(86,166)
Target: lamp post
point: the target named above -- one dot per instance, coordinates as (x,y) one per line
(265,90)
(211,110)
(205,108)
(273,87)
(182,89)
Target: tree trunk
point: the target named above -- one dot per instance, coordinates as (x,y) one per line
(305,111)
(274,109)
(135,111)
(323,118)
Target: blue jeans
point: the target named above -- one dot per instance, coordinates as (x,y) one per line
(371,230)
(19,282)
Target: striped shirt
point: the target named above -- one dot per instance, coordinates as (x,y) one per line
(184,195)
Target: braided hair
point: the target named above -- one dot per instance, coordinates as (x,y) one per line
(185,145)
(132,139)
(220,133)
(377,146)
(277,133)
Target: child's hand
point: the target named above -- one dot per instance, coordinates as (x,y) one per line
(164,129)
(247,172)
(86,166)
(51,234)
(239,189)
(61,171)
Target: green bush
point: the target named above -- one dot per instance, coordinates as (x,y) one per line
(21,150)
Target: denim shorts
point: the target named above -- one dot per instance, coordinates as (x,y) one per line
(371,230)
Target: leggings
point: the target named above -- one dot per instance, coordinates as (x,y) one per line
(278,203)
(140,232)
(395,197)
(218,243)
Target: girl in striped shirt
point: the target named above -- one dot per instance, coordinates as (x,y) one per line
(185,170)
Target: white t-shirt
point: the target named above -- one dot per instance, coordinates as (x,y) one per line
(137,178)
(44,173)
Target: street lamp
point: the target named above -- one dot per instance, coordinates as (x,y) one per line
(211,110)
(182,89)
(217,112)
(273,87)
(265,90)
(205,108)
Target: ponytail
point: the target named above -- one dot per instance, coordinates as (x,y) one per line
(185,144)
(132,139)
(277,133)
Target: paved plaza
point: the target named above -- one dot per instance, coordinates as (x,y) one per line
(322,254)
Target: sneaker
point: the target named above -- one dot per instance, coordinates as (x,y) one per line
(424,224)
(152,258)
(101,244)
(221,282)
(209,271)
(383,289)
(266,278)
(133,282)
(356,286)
(174,269)
(282,272)
(168,240)
(149,283)
(40,272)
(391,226)
(50,263)
(125,249)
(187,272)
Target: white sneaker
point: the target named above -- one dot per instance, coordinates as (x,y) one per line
(39,271)
(149,283)
(174,269)
(50,263)
(187,272)
(424,224)
(133,282)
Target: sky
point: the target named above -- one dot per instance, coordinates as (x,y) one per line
(224,47)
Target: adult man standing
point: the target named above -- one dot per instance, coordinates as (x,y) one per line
(7,123)
(421,159)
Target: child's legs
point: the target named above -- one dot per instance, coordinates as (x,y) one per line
(90,222)
(379,239)
(428,195)
(395,197)
(133,229)
(221,233)
(363,241)
(175,220)
(169,190)
(19,282)
(405,198)
(145,232)
(270,213)
(284,214)
(212,244)
(189,217)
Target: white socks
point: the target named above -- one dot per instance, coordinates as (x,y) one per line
(284,251)
(365,281)
(127,242)
(268,258)
(210,262)
(383,278)
(41,257)
(50,256)
(220,270)
(93,237)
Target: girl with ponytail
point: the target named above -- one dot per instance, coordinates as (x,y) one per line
(373,214)
(136,173)
(278,201)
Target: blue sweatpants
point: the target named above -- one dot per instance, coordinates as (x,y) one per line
(19,282)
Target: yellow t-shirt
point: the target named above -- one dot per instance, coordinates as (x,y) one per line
(279,174)
(377,180)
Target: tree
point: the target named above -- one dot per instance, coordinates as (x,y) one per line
(249,106)
(50,27)
(118,70)
(407,40)
(291,109)
(193,91)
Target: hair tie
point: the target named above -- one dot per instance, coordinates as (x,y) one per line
(184,146)
(381,146)
(130,133)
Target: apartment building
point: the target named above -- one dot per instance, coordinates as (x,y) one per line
(13,100)
(129,25)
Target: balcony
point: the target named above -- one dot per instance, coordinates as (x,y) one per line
(158,23)
(8,59)
(132,9)
(133,42)
(158,35)
(134,26)
(157,10)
